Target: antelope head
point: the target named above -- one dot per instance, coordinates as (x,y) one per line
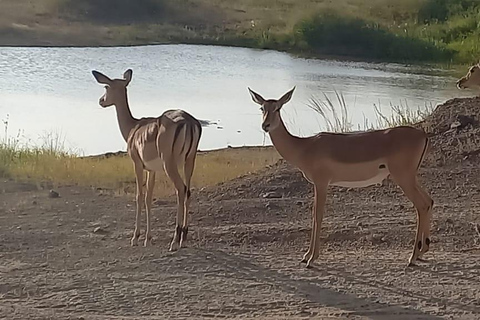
(471,79)
(271,109)
(115,90)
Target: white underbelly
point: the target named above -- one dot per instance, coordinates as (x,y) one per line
(378,179)
(154,165)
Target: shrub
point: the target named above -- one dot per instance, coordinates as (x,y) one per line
(331,33)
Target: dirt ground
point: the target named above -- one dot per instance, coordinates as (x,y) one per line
(70,257)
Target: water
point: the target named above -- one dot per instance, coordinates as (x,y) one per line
(52,91)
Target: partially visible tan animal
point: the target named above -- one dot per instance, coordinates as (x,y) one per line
(471,79)
(155,144)
(352,160)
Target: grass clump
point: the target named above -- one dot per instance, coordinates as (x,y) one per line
(336,118)
(50,163)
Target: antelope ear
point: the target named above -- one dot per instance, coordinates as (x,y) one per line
(127,75)
(256,97)
(286,97)
(101,78)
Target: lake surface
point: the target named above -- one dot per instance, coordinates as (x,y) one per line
(45,91)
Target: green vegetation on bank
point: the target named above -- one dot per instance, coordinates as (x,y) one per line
(390,30)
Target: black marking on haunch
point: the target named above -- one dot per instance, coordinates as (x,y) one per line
(382,166)
(427,241)
(177,132)
(419,245)
(178,232)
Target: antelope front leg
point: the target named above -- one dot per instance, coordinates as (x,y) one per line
(320,200)
(308,254)
(148,205)
(139,199)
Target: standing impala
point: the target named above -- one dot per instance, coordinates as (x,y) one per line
(471,79)
(155,144)
(352,160)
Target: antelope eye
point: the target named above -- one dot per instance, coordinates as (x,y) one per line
(262,109)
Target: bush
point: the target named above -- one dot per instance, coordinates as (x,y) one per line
(330,33)
(440,10)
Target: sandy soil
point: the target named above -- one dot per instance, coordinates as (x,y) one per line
(70,258)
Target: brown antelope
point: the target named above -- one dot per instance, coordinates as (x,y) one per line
(155,144)
(471,79)
(352,160)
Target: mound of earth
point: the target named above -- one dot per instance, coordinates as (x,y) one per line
(454,130)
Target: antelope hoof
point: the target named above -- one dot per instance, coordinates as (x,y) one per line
(173,247)
(148,241)
(411,263)
(305,257)
(134,242)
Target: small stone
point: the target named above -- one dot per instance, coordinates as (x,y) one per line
(53,194)
(272,195)
(299,203)
(99,230)
(34,202)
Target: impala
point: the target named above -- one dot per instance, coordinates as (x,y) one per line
(471,79)
(155,144)
(352,160)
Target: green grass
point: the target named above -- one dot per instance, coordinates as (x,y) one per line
(49,163)
(443,31)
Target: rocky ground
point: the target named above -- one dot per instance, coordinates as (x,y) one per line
(69,257)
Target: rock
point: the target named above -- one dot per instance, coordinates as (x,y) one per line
(53,194)
(272,195)
(99,230)
(455,125)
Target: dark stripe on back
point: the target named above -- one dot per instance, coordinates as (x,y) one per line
(177,132)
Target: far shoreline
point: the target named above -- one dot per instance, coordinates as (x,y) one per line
(294,52)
